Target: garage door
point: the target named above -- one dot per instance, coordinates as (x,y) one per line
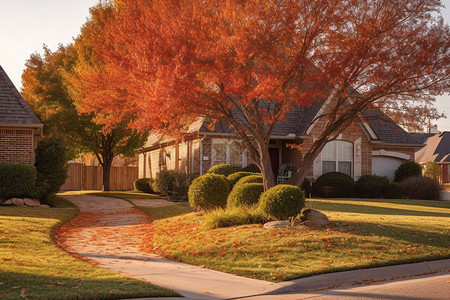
(385,166)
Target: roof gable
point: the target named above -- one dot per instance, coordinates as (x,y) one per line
(437,149)
(14,111)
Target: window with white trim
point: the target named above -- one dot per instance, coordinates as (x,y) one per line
(337,156)
(225,151)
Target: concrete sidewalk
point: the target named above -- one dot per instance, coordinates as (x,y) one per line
(195,282)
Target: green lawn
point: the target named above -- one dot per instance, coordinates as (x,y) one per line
(33,267)
(363,233)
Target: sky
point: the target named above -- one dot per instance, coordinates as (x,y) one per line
(25,25)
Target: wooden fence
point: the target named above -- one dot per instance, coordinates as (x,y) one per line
(83,177)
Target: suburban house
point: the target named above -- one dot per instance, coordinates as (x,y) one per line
(374,144)
(20,129)
(437,148)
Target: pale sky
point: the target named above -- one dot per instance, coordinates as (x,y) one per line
(25,25)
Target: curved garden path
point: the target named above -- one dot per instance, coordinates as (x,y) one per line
(109,232)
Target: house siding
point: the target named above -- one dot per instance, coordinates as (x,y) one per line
(17,145)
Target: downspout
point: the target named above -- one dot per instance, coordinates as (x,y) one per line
(201,154)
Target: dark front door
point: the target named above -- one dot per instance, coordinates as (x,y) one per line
(274,160)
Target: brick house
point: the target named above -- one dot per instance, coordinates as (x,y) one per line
(374,144)
(20,129)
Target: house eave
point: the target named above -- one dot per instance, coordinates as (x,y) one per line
(380,143)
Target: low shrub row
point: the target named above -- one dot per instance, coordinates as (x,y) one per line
(41,181)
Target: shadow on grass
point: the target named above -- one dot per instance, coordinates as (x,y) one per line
(24,285)
(412,235)
(368,209)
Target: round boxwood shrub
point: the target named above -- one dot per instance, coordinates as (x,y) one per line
(209,191)
(371,186)
(233,178)
(392,190)
(17,180)
(334,185)
(282,202)
(407,169)
(250,179)
(221,169)
(420,187)
(251,168)
(143,185)
(246,194)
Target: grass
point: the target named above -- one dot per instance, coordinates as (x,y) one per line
(363,233)
(33,267)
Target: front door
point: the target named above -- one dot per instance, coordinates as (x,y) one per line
(274,160)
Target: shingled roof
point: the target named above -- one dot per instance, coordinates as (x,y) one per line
(384,130)
(437,149)
(14,111)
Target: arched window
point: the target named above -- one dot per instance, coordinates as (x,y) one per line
(337,156)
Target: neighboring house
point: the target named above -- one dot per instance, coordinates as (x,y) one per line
(20,129)
(437,148)
(372,145)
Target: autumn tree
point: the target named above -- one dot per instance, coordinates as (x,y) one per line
(248,63)
(47,91)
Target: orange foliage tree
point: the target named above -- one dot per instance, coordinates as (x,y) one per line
(171,61)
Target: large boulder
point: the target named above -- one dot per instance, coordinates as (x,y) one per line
(17,201)
(312,217)
(31,202)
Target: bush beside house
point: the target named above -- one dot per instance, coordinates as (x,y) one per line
(17,180)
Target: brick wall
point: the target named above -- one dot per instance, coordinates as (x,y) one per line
(16,146)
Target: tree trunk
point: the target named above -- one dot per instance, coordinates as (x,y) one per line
(106,174)
(266,167)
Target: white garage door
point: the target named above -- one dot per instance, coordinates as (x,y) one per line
(385,166)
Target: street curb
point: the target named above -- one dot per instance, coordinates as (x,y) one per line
(356,277)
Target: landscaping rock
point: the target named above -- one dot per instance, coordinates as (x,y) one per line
(277,224)
(17,201)
(7,202)
(31,202)
(312,217)
(44,205)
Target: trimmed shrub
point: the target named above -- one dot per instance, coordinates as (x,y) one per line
(222,169)
(392,190)
(173,183)
(407,169)
(306,187)
(251,168)
(233,217)
(17,180)
(371,186)
(51,168)
(282,202)
(246,194)
(235,177)
(209,191)
(143,185)
(250,179)
(420,187)
(334,185)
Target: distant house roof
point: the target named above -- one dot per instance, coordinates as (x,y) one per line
(437,149)
(14,111)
